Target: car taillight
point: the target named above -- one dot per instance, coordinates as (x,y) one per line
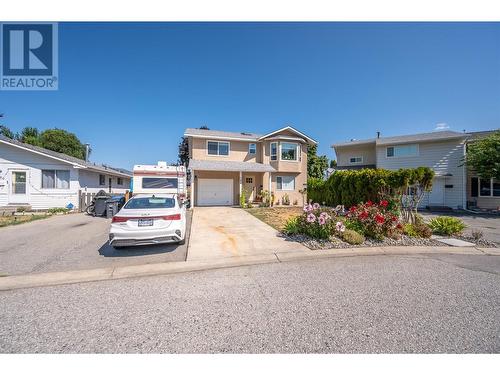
(119,219)
(172,217)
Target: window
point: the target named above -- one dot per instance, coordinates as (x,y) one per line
(489,188)
(288,151)
(285,183)
(274,151)
(102,180)
(218,148)
(356,159)
(119,181)
(252,148)
(19,182)
(141,203)
(402,151)
(55,179)
(249,180)
(474,187)
(159,183)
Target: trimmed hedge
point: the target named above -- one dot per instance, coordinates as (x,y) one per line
(351,187)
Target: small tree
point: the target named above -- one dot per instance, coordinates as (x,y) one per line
(184,151)
(316,165)
(5,131)
(483,156)
(333,163)
(30,135)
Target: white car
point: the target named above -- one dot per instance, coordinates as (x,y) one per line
(149,219)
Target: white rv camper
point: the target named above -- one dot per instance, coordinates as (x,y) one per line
(159,179)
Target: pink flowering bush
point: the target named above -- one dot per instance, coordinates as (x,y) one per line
(315,222)
(374,220)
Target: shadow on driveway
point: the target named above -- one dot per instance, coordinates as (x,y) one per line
(106,250)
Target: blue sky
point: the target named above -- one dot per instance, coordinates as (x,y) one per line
(131,89)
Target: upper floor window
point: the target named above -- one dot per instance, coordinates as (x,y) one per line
(402,150)
(55,179)
(252,148)
(218,148)
(274,151)
(288,151)
(356,159)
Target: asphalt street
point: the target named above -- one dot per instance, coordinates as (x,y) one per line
(366,304)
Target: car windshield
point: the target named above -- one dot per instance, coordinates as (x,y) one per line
(150,202)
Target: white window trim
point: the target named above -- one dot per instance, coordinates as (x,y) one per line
(218,142)
(296,152)
(100,174)
(250,146)
(405,156)
(491,189)
(355,162)
(271,149)
(55,179)
(294,185)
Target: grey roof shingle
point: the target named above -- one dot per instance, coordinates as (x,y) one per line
(421,137)
(219,133)
(231,166)
(70,159)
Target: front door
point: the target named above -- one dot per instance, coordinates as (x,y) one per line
(436,195)
(18,187)
(249,186)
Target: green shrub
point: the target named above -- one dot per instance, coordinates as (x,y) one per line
(292,226)
(354,225)
(56,210)
(350,187)
(419,229)
(410,230)
(21,209)
(353,237)
(446,225)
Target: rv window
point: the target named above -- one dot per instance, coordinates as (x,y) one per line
(138,203)
(159,183)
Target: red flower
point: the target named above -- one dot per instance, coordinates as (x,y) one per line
(369,204)
(363,215)
(399,226)
(379,219)
(394,218)
(384,203)
(352,209)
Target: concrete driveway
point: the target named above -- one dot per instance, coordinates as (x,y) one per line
(73,242)
(219,232)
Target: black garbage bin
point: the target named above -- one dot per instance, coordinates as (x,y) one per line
(100,205)
(113,204)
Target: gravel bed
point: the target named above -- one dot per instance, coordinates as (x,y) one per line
(480,242)
(337,243)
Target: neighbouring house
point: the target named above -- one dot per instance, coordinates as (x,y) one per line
(443,151)
(223,165)
(42,179)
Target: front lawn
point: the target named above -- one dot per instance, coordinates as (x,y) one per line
(20,219)
(275,216)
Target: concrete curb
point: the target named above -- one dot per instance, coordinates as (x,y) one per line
(110,273)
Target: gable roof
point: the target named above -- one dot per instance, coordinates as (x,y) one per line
(291,129)
(420,137)
(241,136)
(65,158)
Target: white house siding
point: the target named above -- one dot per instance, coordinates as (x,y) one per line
(15,158)
(443,157)
(89,182)
(367,152)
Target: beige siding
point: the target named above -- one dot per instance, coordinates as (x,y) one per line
(367,152)
(443,157)
(238,151)
(489,203)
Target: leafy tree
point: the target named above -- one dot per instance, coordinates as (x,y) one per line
(316,165)
(5,131)
(60,140)
(30,135)
(333,163)
(483,156)
(184,148)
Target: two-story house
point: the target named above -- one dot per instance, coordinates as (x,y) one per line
(225,164)
(454,185)
(442,151)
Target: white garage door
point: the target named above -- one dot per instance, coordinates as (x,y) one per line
(215,192)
